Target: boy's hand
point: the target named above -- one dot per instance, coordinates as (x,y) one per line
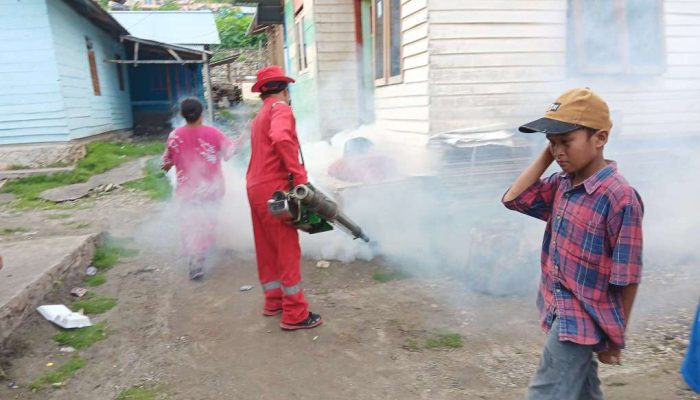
(612,357)
(531,174)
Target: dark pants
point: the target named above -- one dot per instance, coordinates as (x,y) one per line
(567,371)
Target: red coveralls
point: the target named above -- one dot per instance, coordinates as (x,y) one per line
(275,155)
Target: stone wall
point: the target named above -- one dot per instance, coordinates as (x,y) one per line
(245,67)
(45,155)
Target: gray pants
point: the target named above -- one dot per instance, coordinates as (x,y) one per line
(567,371)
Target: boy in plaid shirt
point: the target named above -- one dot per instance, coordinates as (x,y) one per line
(592,248)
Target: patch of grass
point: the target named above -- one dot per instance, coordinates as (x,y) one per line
(61,374)
(155,183)
(94,304)
(412,345)
(101,156)
(141,393)
(82,338)
(108,254)
(444,341)
(435,341)
(390,275)
(95,280)
(59,216)
(12,231)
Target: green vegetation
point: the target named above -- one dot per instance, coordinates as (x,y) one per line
(435,341)
(82,338)
(94,304)
(59,216)
(108,254)
(95,280)
(155,183)
(233,31)
(444,341)
(60,375)
(101,156)
(11,231)
(412,345)
(389,275)
(170,5)
(141,393)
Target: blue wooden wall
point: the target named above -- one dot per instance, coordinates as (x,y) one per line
(31,98)
(86,113)
(159,88)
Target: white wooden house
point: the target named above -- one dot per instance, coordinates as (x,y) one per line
(421,67)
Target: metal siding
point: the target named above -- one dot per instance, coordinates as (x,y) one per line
(31,105)
(88,114)
(176,27)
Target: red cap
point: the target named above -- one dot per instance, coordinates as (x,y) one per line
(273,73)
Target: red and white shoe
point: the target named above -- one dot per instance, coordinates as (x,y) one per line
(312,321)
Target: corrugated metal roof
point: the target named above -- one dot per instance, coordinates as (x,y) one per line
(176,27)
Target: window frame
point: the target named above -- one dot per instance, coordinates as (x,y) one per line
(625,67)
(92,66)
(387,79)
(301,45)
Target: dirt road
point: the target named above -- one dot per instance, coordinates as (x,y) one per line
(208,340)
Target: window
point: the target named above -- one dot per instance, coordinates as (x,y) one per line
(617,36)
(387,41)
(93,67)
(303,62)
(120,72)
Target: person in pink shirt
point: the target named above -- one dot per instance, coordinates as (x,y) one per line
(196,151)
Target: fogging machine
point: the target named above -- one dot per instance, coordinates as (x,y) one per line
(311,211)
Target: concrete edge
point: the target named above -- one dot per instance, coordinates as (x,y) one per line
(16,311)
(23,173)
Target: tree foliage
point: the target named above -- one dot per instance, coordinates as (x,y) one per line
(170,5)
(233,27)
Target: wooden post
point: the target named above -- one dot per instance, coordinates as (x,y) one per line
(210,96)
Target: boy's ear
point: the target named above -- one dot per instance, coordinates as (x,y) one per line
(601,137)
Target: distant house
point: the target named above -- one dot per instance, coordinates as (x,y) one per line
(158,87)
(70,71)
(421,67)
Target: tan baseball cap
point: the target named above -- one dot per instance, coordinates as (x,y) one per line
(577,108)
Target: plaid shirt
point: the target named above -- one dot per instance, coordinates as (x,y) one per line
(592,247)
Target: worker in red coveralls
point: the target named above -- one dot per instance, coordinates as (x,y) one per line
(274,166)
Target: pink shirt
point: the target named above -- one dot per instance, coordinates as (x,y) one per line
(196,153)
